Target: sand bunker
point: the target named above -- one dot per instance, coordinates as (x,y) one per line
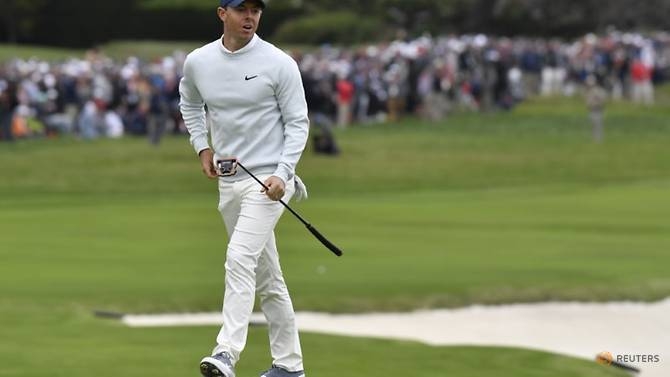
(583,330)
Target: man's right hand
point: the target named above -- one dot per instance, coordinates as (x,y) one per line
(207,162)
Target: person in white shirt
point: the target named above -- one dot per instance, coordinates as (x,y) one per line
(248,95)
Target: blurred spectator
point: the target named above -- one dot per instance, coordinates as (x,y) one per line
(643,90)
(397,88)
(8,104)
(554,71)
(320,105)
(345,96)
(159,108)
(433,86)
(595,101)
(91,120)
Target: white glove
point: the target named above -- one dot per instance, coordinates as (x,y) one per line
(300,189)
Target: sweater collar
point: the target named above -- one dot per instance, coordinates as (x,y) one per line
(244,49)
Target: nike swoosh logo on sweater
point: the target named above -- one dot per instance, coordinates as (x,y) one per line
(247,78)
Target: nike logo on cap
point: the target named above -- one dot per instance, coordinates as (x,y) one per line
(247,78)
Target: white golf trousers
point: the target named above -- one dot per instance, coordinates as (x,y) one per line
(252,265)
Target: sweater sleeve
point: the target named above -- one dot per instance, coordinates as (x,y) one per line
(293,107)
(192,109)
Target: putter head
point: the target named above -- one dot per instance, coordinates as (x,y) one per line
(226,167)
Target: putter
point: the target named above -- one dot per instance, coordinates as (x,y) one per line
(227,167)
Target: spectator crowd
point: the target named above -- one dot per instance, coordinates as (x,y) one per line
(91,97)
(427,77)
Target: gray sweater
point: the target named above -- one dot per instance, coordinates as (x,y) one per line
(256,108)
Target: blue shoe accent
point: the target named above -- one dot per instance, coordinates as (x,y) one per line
(276,371)
(219,365)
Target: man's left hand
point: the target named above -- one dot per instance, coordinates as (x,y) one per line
(276,187)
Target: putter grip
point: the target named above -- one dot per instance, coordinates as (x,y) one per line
(324,241)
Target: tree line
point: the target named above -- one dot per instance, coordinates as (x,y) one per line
(83,23)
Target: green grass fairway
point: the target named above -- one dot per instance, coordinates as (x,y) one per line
(118,50)
(493,208)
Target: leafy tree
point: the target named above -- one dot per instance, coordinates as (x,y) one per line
(86,22)
(340,26)
(509,17)
(176,4)
(18,17)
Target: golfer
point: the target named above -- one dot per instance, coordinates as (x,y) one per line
(256,111)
